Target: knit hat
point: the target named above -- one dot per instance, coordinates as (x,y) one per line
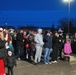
(1,29)
(39,30)
(9,52)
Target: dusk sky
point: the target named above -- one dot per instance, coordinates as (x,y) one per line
(42,13)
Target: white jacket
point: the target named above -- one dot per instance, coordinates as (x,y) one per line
(39,39)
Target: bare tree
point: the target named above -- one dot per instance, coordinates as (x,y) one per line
(64,24)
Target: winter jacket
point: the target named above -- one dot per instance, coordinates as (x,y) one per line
(2,44)
(55,42)
(48,41)
(20,39)
(3,51)
(10,61)
(60,42)
(39,40)
(67,48)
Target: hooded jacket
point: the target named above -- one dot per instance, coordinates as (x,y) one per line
(39,38)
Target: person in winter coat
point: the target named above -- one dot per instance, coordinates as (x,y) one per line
(47,47)
(60,45)
(55,47)
(39,45)
(20,44)
(31,50)
(10,62)
(3,53)
(67,49)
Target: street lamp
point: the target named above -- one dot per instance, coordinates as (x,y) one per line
(69,2)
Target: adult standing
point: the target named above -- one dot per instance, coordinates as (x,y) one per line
(39,45)
(55,47)
(60,45)
(20,44)
(47,47)
(31,43)
(3,53)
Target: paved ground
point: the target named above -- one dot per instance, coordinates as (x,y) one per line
(60,68)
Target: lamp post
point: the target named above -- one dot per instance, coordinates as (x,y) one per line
(69,2)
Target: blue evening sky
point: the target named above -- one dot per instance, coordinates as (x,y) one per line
(41,13)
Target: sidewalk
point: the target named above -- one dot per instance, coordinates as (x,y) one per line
(73,60)
(60,68)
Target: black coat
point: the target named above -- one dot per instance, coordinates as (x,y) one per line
(60,42)
(55,42)
(3,51)
(10,61)
(20,39)
(2,44)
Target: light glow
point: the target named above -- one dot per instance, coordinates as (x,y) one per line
(67,1)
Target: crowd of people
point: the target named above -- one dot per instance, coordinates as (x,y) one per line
(34,46)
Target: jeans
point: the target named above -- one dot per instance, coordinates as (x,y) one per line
(47,52)
(20,51)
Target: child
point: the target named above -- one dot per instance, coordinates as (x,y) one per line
(10,62)
(67,49)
